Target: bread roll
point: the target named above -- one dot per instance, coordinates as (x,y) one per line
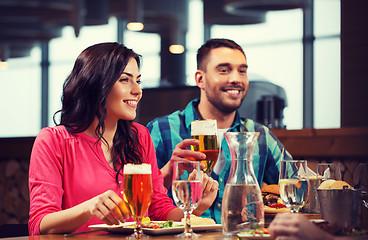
(268,209)
(197,221)
(272,188)
(333,184)
(326,184)
(340,185)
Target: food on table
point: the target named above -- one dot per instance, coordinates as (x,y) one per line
(333,184)
(158,225)
(147,223)
(255,231)
(271,199)
(197,221)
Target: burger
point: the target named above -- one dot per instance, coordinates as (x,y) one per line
(272,201)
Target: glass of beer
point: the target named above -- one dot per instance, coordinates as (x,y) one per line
(187,191)
(294,184)
(137,193)
(205,131)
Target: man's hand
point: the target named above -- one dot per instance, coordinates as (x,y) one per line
(210,189)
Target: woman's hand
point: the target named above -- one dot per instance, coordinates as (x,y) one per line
(180,153)
(109,208)
(210,189)
(296,226)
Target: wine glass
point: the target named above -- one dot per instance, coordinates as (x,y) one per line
(328,171)
(137,193)
(187,191)
(205,131)
(294,184)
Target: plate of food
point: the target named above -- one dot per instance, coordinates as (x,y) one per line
(160,227)
(256,233)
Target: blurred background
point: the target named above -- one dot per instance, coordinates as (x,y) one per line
(293,49)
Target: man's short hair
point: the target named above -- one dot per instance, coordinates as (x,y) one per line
(204,50)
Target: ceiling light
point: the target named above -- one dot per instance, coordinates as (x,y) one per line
(135,26)
(176,49)
(3,65)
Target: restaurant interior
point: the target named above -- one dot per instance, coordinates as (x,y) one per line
(29,24)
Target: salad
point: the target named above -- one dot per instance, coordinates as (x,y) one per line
(255,231)
(147,223)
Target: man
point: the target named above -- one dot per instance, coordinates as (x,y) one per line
(222,78)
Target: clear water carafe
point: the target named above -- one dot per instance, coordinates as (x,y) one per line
(242,204)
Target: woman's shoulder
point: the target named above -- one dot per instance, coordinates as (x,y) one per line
(57,132)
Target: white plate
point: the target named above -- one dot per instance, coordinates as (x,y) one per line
(317,220)
(124,228)
(253,237)
(121,228)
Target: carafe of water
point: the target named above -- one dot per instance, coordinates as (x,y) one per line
(242,204)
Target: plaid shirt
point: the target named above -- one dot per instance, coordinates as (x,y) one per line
(168,131)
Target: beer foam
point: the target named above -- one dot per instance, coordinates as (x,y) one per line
(204,127)
(137,169)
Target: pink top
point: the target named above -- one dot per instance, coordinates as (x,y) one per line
(68,169)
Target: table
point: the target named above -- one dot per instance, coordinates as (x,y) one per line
(107,236)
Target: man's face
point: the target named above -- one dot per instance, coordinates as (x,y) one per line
(225,80)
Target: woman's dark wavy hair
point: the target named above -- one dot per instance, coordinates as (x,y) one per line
(85,91)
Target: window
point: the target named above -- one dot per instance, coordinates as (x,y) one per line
(274,53)
(273,49)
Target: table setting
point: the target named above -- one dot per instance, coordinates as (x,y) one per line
(247,210)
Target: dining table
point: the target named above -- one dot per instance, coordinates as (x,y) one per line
(213,235)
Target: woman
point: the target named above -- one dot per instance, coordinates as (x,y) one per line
(76,167)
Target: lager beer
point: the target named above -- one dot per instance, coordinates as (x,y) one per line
(205,132)
(207,145)
(137,189)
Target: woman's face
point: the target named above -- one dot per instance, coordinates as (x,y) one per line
(121,103)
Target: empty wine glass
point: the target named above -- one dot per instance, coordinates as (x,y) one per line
(187,191)
(328,171)
(294,184)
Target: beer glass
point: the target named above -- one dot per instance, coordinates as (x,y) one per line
(294,184)
(205,132)
(187,191)
(137,193)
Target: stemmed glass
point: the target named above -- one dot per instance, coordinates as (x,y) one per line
(328,171)
(294,184)
(187,191)
(137,193)
(206,132)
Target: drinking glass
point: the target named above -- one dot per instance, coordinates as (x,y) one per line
(362,183)
(187,191)
(205,131)
(137,193)
(328,171)
(294,184)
